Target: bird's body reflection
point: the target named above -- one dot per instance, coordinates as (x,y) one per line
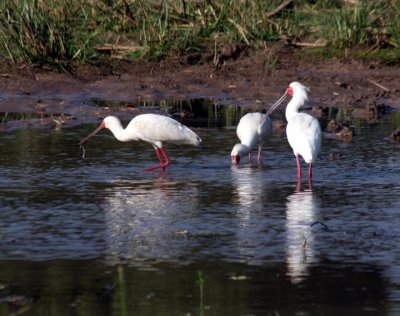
(249,186)
(143,215)
(301,213)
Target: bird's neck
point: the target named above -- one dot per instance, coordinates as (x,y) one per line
(293,106)
(119,133)
(244,149)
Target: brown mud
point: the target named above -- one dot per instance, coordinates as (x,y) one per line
(368,89)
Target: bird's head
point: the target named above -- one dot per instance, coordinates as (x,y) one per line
(235,159)
(235,154)
(109,122)
(296,88)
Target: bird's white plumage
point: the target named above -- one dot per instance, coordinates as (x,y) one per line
(251,133)
(154,129)
(303,131)
(304,136)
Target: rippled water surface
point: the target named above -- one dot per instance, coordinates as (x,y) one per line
(101,235)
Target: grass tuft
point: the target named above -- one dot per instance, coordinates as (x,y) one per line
(47,31)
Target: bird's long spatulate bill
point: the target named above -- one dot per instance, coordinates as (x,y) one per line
(83,141)
(273,107)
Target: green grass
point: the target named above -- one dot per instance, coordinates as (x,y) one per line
(59,32)
(388,56)
(47,31)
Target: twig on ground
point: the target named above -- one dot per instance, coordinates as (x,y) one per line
(311,45)
(378,85)
(280,7)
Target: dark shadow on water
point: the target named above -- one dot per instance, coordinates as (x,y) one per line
(89,287)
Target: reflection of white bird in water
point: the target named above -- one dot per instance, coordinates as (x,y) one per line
(151,128)
(301,213)
(142,216)
(303,131)
(251,133)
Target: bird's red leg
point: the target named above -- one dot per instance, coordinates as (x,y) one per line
(310,184)
(298,186)
(259,155)
(168,161)
(250,158)
(163,164)
(158,153)
(310,171)
(298,167)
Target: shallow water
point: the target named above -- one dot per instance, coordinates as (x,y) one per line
(101,235)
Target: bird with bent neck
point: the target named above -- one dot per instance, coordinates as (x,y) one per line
(251,133)
(151,128)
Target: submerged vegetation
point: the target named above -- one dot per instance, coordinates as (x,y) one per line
(63,31)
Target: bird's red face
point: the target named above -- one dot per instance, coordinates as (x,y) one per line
(235,159)
(289,91)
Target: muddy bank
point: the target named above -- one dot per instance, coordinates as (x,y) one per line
(369,87)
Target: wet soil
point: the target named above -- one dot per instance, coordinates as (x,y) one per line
(238,72)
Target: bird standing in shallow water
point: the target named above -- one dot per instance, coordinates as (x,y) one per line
(251,133)
(151,128)
(303,131)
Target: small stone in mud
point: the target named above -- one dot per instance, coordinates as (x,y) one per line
(341,131)
(182,114)
(341,84)
(395,135)
(372,111)
(346,133)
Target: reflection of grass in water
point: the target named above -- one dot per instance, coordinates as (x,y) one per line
(345,117)
(110,104)
(8,116)
(122,290)
(200,282)
(341,114)
(11,116)
(225,111)
(396,119)
(229,114)
(198,108)
(359,123)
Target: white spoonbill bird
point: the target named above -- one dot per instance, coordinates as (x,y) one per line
(151,128)
(251,133)
(303,131)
